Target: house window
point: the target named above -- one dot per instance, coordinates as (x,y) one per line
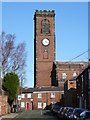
(29,95)
(23,95)
(74,74)
(39,105)
(45,26)
(64,75)
(89,78)
(52,95)
(82,82)
(22,104)
(39,95)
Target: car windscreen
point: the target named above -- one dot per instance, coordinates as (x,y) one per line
(78,111)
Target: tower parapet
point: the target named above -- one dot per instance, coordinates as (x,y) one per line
(45,13)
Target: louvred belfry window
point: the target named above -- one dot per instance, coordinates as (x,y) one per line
(45,26)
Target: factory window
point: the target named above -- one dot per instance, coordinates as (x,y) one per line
(52,95)
(74,74)
(64,75)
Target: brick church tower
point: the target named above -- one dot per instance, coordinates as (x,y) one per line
(44,47)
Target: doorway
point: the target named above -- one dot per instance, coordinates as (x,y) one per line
(27,106)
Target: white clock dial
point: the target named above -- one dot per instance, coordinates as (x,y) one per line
(45,42)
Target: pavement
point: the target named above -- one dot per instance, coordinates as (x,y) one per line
(11,115)
(30,115)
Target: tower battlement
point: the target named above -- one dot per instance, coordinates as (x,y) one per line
(46,13)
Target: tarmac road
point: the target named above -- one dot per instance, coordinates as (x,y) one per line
(37,115)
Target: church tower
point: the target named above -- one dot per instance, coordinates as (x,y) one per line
(44,47)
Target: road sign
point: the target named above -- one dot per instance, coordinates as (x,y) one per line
(19,97)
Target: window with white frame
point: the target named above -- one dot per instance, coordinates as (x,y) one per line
(39,104)
(23,95)
(82,82)
(89,78)
(64,75)
(52,95)
(29,95)
(39,95)
(74,74)
(22,104)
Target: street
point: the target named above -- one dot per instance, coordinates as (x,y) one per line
(38,114)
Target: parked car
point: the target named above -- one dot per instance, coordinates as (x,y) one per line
(76,113)
(56,109)
(60,110)
(85,115)
(52,106)
(65,111)
(69,112)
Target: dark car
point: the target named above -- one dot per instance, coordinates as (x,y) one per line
(61,111)
(65,111)
(76,113)
(52,106)
(85,115)
(56,109)
(69,112)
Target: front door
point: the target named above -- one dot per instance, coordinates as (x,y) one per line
(27,106)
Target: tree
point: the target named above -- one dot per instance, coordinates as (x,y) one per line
(10,85)
(13,56)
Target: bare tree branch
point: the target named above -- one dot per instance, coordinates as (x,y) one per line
(13,56)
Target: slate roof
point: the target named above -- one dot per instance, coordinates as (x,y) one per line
(31,90)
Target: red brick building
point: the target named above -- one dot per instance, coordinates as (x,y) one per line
(49,76)
(70,98)
(41,98)
(83,88)
(68,70)
(66,75)
(44,48)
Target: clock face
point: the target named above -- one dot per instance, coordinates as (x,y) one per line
(45,42)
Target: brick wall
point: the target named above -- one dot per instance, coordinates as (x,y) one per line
(69,69)
(46,98)
(4,104)
(43,67)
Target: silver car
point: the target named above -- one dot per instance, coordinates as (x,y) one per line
(85,115)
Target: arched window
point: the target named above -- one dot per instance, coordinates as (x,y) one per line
(45,56)
(45,26)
